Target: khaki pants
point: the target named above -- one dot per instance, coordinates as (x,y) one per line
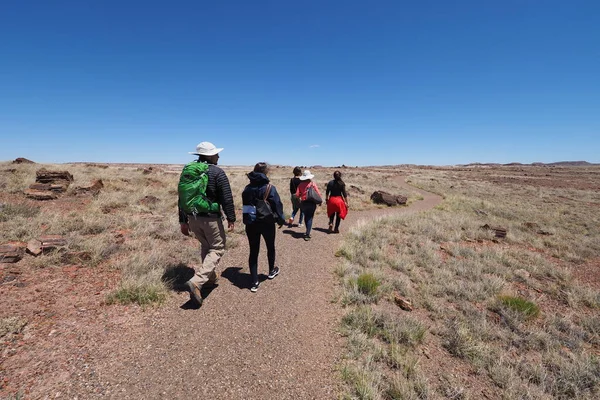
(210,232)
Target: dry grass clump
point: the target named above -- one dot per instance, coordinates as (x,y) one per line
(11,325)
(508,310)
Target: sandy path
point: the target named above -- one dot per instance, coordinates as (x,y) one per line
(279,343)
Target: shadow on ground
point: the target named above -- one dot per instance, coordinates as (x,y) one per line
(240,279)
(294,234)
(176,276)
(324,230)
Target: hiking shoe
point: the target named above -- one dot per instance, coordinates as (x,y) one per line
(336,231)
(254,287)
(307,237)
(195,294)
(330,227)
(300,225)
(274,273)
(211,284)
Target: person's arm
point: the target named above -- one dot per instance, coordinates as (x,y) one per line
(226,198)
(345,195)
(328,191)
(276,205)
(183,222)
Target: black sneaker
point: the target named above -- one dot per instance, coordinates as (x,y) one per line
(307,237)
(273,273)
(254,287)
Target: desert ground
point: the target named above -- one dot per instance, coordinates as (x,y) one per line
(486,284)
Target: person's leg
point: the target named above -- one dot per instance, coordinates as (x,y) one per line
(211,234)
(295,205)
(253,234)
(268,232)
(309,213)
(337,221)
(301,217)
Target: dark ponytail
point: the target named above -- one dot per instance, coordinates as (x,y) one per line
(337,176)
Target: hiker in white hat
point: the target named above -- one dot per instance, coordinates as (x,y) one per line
(308,201)
(207,224)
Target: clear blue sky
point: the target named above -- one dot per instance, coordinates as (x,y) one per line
(300,82)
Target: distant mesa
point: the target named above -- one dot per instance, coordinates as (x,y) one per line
(571,163)
(22,160)
(534,164)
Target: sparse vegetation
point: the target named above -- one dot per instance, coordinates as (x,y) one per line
(508,311)
(134,219)
(510,315)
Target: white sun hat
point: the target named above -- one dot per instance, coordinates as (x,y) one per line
(306,175)
(206,149)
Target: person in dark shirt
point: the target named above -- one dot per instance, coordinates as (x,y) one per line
(337,201)
(208,227)
(258,225)
(294,182)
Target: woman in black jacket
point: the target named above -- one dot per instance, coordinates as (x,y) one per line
(262,208)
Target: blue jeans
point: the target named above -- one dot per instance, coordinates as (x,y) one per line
(309,212)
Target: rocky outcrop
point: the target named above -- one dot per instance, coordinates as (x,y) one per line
(381,197)
(22,160)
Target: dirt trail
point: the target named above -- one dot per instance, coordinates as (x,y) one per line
(279,343)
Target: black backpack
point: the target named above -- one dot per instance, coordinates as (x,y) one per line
(264,213)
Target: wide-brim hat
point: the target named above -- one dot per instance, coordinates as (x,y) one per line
(306,175)
(206,149)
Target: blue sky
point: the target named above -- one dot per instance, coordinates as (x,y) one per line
(300,82)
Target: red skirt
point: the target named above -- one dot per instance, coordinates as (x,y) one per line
(336,205)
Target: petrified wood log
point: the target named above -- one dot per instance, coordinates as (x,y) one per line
(381,197)
(12,252)
(93,189)
(40,194)
(45,176)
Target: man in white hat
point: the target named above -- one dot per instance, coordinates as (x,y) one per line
(208,227)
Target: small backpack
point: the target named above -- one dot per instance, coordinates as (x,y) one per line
(260,210)
(192,189)
(263,207)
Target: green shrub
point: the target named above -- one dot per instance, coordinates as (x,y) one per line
(525,307)
(141,294)
(367,284)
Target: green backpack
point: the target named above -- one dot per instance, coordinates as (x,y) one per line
(192,189)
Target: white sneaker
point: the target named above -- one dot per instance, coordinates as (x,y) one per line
(300,225)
